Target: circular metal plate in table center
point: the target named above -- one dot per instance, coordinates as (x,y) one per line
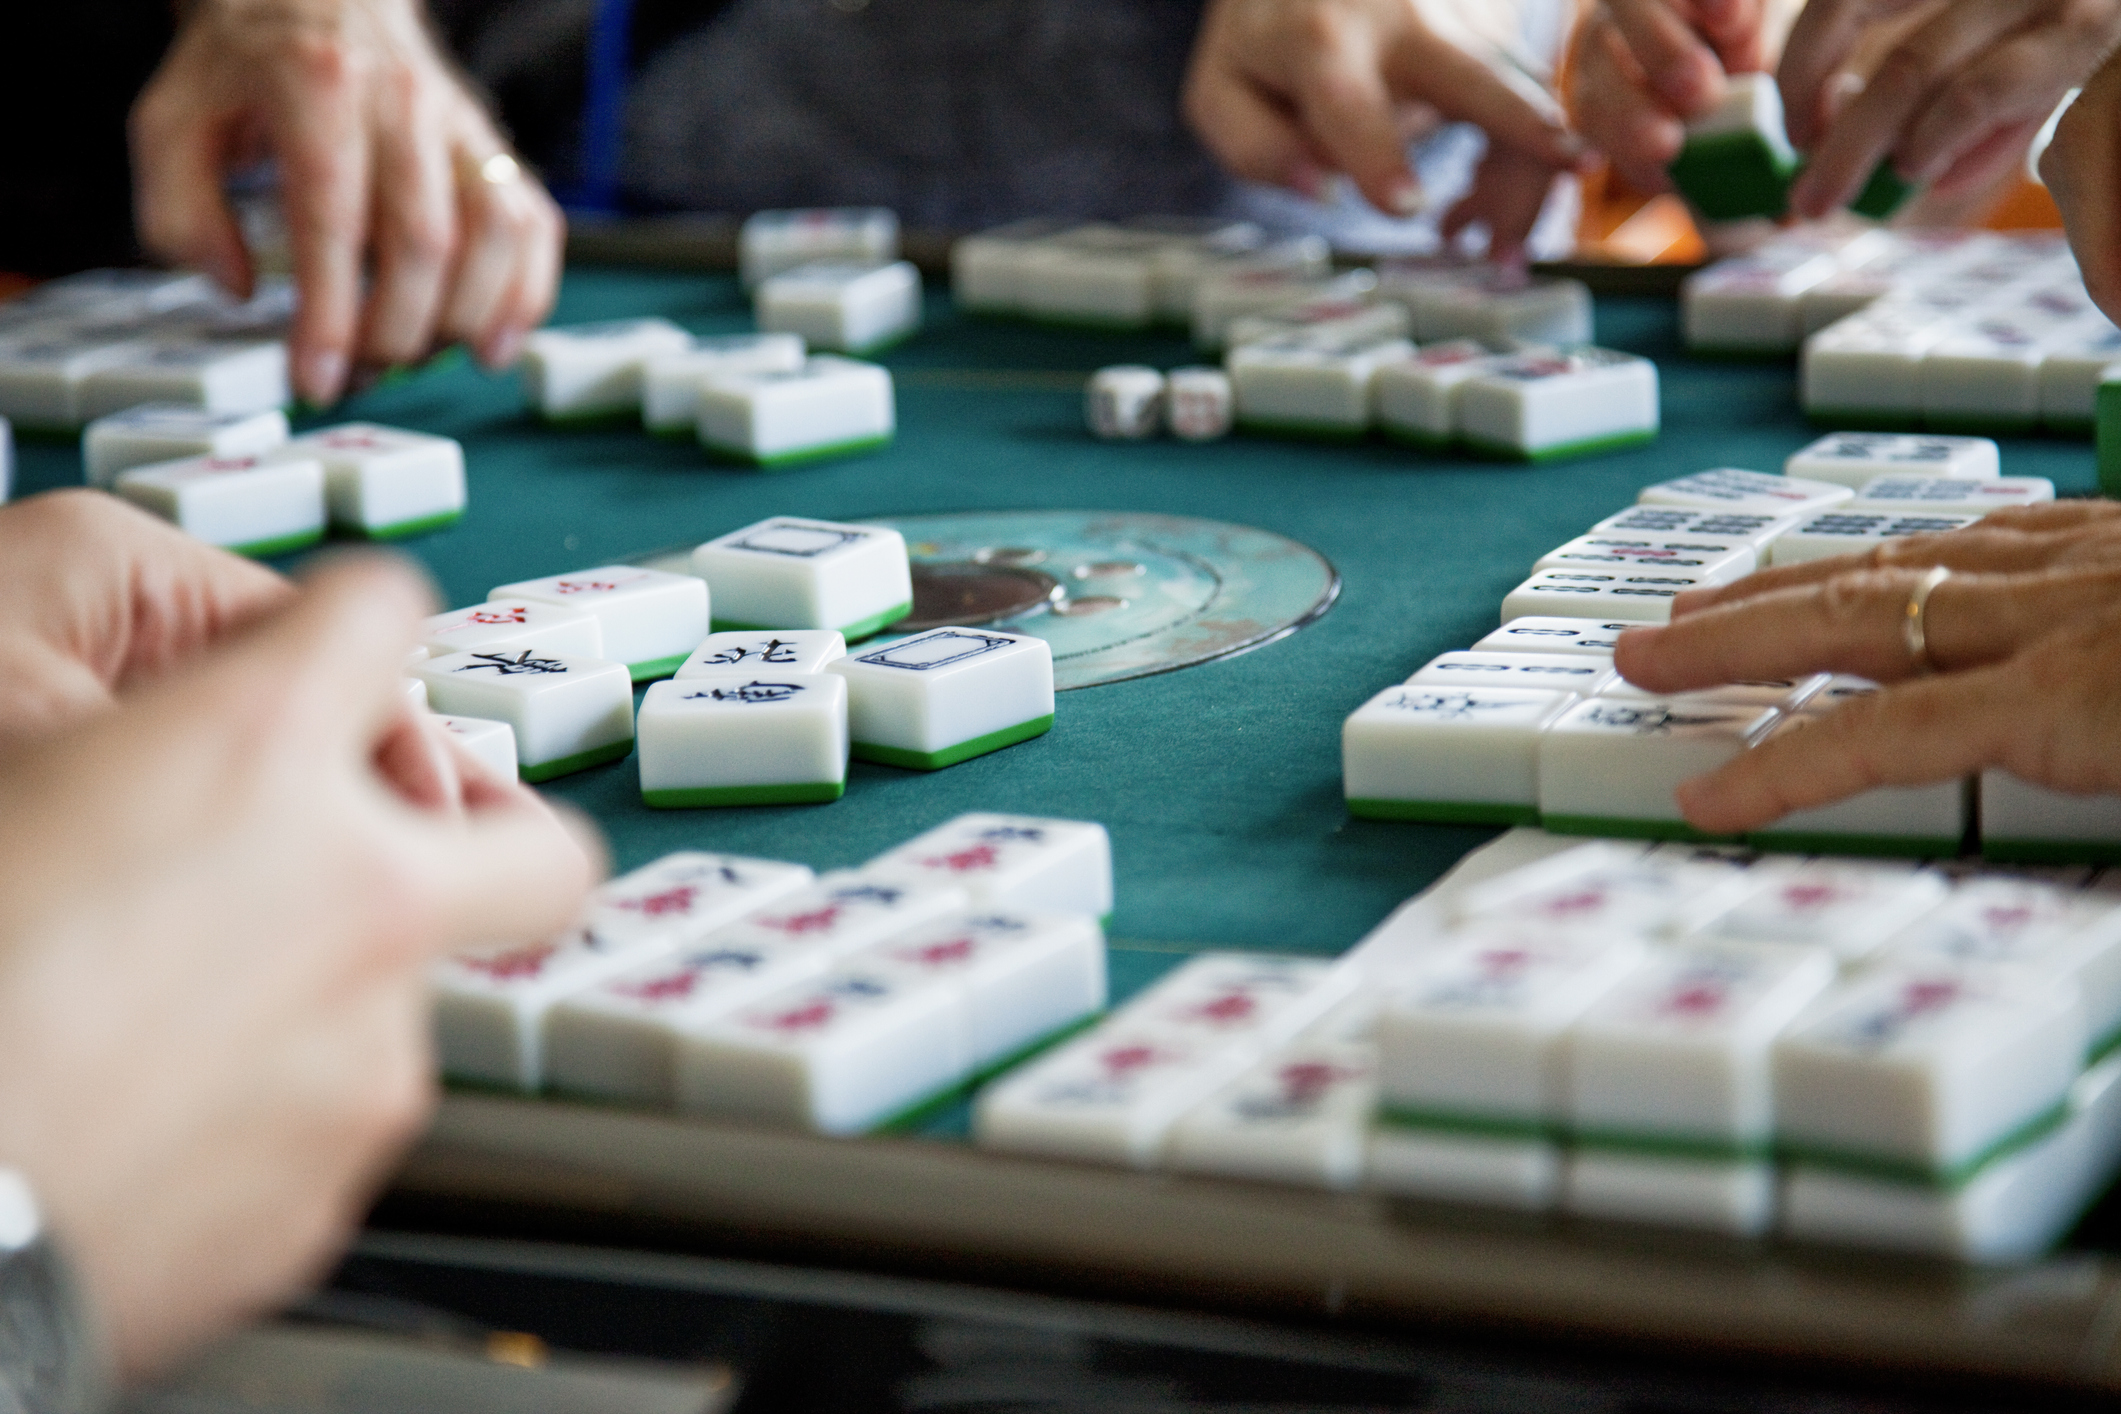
(971,594)
(1121,594)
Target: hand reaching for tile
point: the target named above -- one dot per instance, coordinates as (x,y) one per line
(241,1027)
(1644,68)
(2023,637)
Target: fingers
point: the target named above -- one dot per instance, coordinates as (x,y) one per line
(2079,167)
(2009,87)
(511,870)
(1346,110)
(1617,114)
(335,656)
(1513,111)
(325,160)
(178,206)
(507,273)
(1929,69)
(1676,62)
(1509,191)
(536,286)
(1916,734)
(1853,622)
(1250,135)
(415,234)
(420,760)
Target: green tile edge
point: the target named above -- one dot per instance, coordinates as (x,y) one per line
(780,461)
(951,755)
(649,669)
(1421,441)
(1302,431)
(1459,1124)
(1945,1179)
(1588,447)
(399,530)
(1442,812)
(2009,851)
(921,1111)
(708,797)
(1885,193)
(277,545)
(580,761)
(854,632)
(1694,1147)
(1728,176)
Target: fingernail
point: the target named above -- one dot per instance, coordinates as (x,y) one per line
(501,353)
(1404,197)
(323,375)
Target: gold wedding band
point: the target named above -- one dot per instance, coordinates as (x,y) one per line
(499,170)
(1914,632)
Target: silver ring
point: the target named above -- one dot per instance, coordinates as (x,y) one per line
(1914,632)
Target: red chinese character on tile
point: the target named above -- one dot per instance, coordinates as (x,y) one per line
(818,920)
(513,965)
(808,1017)
(671,900)
(979,856)
(659,989)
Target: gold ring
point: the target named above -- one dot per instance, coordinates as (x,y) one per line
(1914,632)
(499,170)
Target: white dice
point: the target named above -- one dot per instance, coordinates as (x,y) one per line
(1124,402)
(1198,404)
(830,407)
(651,621)
(766,738)
(946,696)
(163,432)
(790,573)
(568,713)
(847,308)
(253,505)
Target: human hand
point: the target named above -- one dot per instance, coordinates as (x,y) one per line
(2023,637)
(384,157)
(96,594)
(214,937)
(2080,167)
(1644,68)
(1292,91)
(1954,100)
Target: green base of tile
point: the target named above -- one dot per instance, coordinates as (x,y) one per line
(920,1112)
(1420,441)
(278,545)
(711,797)
(1885,193)
(580,761)
(1588,447)
(1443,812)
(1948,1179)
(1301,431)
(1730,176)
(654,668)
(1695,1147)
(1457,1124)
(853,633)
(781,461)
(1625,829)
(400,530)
(951,755)
(1879,846)
(2051,851)
(1089,323)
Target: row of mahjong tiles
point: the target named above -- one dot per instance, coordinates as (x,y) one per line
(1533,724)
(1840,1051)
(765,703)
(87,345)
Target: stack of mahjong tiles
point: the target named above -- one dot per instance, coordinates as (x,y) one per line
(1845,1052)
(765,702)
(1951,331)
(754,990)
(1532,724)
(760,399)
(78,348)
(237,480)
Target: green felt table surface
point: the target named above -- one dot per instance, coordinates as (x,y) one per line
(1220,784)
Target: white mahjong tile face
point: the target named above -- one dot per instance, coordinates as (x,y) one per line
(1904,1010)
(589,586)
(813,1015)
(1714,989)
(796,539)
(607,331)
(1664,719)
(789,650)
(1468,706)
(523,669)
(941,649)
(690,981)
(1111,1071)
(684,889)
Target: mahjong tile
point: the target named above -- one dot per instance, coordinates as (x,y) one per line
(1912,821)
(1023,978)
(1852,532)
(253,505)
(789,572)
(947,695)
(670,383)
(220,376)
(763,738)
(1785,694)
(1017,862)
(568,713)
(1712,559)
(492,744)
(1950,495)
(1608,889)
(1109,1097)
(513,624)
(1643,594)
(2027,823)
(594,370)
(1751,492)
(1756,528)
(843,306)
(842,913)
(788,650)
(651,620)
(828,407)
(1850,907)
(1467,755)
(381,483)
(1310,384)
(1580,673)
(1540,406)
(1737,161)
(1548,634)
(772,241)
(1417,398)
(161,432)
(1854,459)
(1300,1116)
(1608,767)
(1246,1000)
